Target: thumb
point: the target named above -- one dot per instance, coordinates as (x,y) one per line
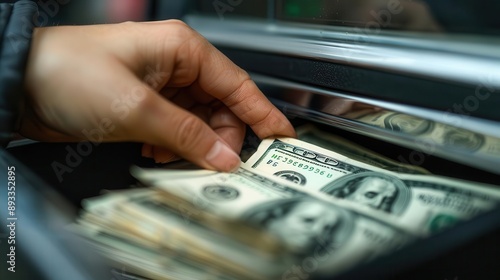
(159,122)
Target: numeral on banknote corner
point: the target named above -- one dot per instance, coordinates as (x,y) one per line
(272,163)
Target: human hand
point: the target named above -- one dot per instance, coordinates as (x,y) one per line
(159,83)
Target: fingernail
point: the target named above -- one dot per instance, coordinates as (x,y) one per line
(222,158)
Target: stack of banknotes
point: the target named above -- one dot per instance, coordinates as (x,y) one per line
(296,208)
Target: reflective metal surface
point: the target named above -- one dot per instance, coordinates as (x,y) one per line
(454,58)
(475,142)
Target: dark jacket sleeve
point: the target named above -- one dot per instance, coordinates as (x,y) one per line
(16,28)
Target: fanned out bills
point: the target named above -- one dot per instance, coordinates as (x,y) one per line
(139,218)
(292,210)
(423,204)
(304,224)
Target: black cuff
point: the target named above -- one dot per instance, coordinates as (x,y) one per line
(16,29)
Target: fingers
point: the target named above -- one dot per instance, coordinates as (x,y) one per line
(158,122)
(228,127)
(222,79)
(227,82)
(147,150)
(222,121)
(163,155)
(200,65)
(159,154)
(186,59)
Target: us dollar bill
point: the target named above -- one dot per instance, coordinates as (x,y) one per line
(310,134)
(130,255)
(432,132)
(423,203)
(334,235)
(140,217)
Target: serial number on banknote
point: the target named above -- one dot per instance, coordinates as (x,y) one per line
(277,159)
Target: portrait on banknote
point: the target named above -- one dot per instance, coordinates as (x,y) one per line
(408,124)
(373,189)
(304,224)
(463,139)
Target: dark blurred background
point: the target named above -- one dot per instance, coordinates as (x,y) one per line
(459,16)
